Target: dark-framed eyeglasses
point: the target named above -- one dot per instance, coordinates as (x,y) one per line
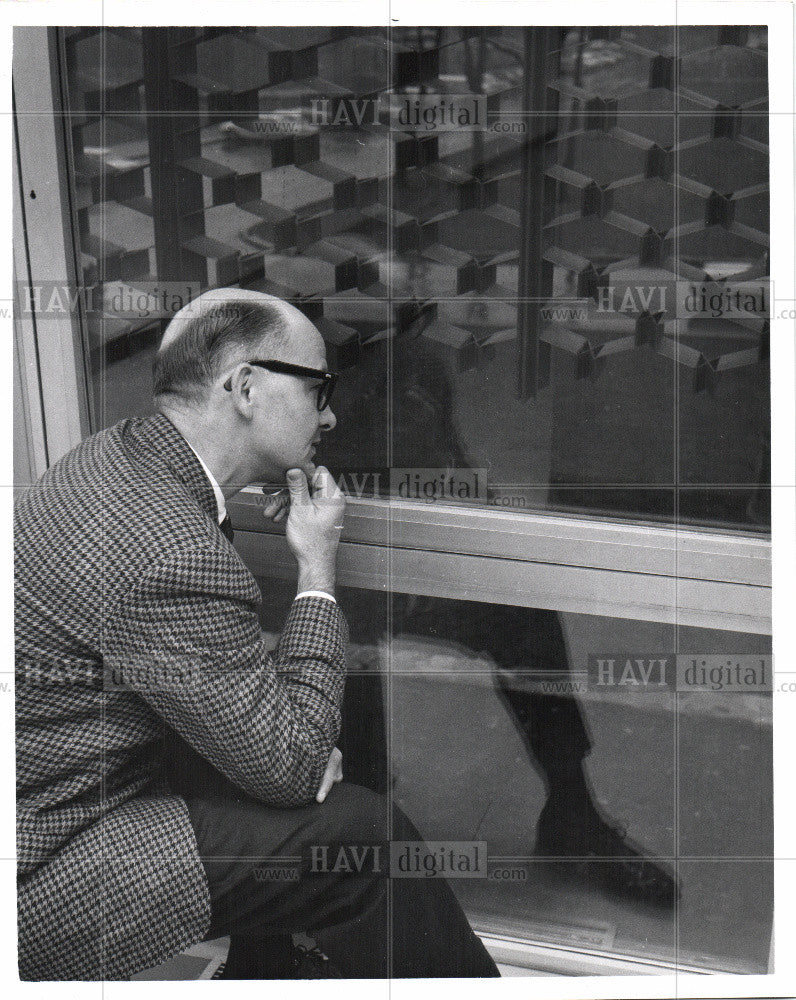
(325,389)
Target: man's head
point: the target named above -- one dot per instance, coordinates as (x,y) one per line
(266,421)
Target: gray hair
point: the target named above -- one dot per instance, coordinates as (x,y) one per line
(196,349)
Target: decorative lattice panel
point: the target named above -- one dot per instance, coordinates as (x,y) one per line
(618,165)
(653,172)
(665,184)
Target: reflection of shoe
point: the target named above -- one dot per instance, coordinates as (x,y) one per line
(605,855)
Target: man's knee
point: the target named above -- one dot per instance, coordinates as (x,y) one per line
(353,814)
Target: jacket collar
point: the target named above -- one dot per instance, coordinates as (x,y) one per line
(159,436)
(217,493)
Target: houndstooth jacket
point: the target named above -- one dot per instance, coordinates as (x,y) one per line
(133,610)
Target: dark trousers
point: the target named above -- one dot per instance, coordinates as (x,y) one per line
(258,861)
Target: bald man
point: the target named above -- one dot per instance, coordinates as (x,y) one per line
(137,631)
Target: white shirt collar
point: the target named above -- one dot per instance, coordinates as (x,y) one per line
(222,507)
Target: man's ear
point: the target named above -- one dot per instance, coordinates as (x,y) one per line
(241,386)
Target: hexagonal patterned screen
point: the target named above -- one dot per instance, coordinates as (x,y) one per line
(542,252)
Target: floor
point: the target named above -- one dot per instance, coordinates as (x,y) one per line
(446,762)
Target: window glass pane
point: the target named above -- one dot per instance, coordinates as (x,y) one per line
(526,731)
(531,252)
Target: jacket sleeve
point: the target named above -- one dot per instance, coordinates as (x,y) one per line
(186,638)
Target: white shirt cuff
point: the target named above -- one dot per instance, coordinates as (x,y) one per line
(316,593)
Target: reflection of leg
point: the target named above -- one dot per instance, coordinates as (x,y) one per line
(552,724)
(370,925)
(571,824)
(519,640)
(526,643)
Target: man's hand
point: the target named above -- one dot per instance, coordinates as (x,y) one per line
(332,774)
(276,505)
(313,527)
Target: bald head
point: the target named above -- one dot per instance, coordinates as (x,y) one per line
(213,332)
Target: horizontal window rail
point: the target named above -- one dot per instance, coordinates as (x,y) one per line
(686,553)
(692,578)
(683,552)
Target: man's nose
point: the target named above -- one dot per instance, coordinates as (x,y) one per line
(327,419)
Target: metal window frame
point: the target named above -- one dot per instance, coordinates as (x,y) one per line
(45,251)
(714,579)
(683,577)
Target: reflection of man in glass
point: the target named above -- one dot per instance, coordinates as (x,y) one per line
(518,639)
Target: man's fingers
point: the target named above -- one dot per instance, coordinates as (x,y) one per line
(323,484)
(332,774)
(299,490)
(338,774)
(323,791)
(338,771)
(276,505)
